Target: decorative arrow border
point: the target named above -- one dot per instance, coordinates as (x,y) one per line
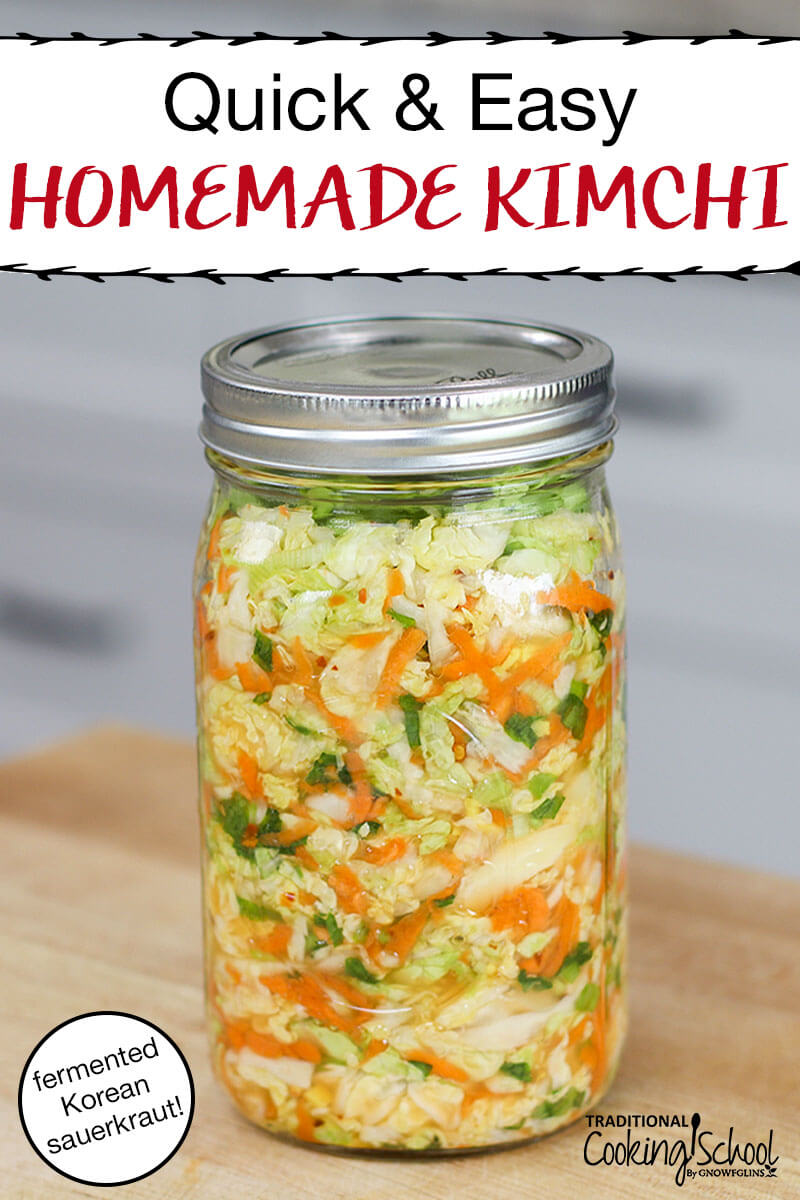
(433,39)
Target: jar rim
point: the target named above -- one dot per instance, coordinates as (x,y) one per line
(371,396)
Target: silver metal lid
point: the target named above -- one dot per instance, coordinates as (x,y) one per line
(417,395)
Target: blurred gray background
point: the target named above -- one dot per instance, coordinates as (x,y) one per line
(103,483)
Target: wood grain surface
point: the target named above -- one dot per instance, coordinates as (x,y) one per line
(100,906)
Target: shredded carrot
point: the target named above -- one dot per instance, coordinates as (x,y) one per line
(304,1129)
(283,510)
(211,658)
(405,808)
(402,936)
(578,1033)
(275,942)
(203,628)
(285,837)
(451,861)
(365,641)
(269,1046)
(362,595)
(304,675)
(307,992)
(375,1047)
(402,652)
(252,678)
(395,586)
(478,662)
(576,594)
(305,678)
(234,1036)
(388,852)
(213,540)
(225,576)
(361,802)
(441,1066)
(567,917)
(597,713)
(541,664)
(336,600)
(360,1008)
(248,769)
(306,858)
(522,911)
(345,883)
(499,818)
(234,974)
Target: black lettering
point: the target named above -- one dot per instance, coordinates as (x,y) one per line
(478,100)
(544,106)
(569,105)
(617,122)
(342,106)
(198,121)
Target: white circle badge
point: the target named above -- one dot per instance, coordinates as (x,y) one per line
(106,1098)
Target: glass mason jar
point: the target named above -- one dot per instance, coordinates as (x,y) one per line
(410,660)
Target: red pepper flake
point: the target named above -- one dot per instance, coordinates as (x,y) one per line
(288,897)
(362,596)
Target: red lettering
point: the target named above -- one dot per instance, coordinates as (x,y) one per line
(19,198)
(733,199)
(201,190)
(649,197)
(335,178)
(551,220)
(588,193)
(376,214)
(430,190)
(497,199)
(131,194)
(248,194)
(72,205)
(769,208)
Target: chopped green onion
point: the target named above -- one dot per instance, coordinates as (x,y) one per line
(366,828)
(262,698)
(319,770)
(313,944)
(547,809)
(257,912)
(355,968)
(410,706)
(601,622)
(401,618)
(517,1070)
(556,1108)
(573,713)
(328,922)
(262,653)
(537,983)
(520,728)
(426,1068)
(538,784)
(574,961)
(298,728)
(445,900)
(587,1001)
(271,822)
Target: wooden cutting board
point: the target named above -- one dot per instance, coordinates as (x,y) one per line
(100,904)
